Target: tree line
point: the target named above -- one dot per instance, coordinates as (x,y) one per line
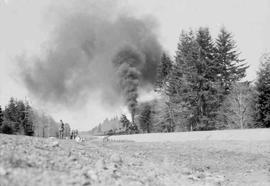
(200,78)
(202,88)
(15,118)
(107,125)
(203,85)
(19,118)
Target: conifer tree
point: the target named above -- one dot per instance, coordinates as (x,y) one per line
(125,122)
(180,88)
(184,68)
(263,90)
(28,121)
(163,72)
(11,113)
(231,67)
(205,81)
(13,117)
(193,79)
(145,118)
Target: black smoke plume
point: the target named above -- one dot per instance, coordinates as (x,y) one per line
(93,49)
(127,62)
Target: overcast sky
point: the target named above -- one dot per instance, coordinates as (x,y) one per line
(25,27)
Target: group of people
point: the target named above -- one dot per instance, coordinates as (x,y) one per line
(73,134)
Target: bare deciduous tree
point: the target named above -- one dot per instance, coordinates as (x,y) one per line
(237,109)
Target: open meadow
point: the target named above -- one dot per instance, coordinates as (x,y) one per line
(33,161)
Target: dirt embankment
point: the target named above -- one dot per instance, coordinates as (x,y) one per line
(36,161)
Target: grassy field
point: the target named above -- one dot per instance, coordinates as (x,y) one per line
(37,161)
(223,135)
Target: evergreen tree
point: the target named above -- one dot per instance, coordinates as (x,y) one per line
(180,86)
(145,118)
(28,123)
(20,120)
(17,117)
(125,122)
(183,69)
(206,65)
(263,91)
(1,117)
(207,68)
(231,67)
(163,72)
(7,128)
(13,117)
(11,113)
(192,84)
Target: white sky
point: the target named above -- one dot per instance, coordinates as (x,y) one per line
(23,30)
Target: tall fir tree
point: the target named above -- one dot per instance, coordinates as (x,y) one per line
(263,91)
(13,116)
(207,69)
(203,74)
(231,67)
(163,72)
(183,70)
(11,113)
(193,79)
(180,86)
(145,118)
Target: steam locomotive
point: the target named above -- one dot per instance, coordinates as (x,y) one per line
(132,129)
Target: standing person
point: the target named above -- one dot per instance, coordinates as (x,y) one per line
(61,130)
(75,133)
(71,135)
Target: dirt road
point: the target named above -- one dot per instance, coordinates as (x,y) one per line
(36,161)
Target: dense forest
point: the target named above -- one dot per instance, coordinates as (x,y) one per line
(202,88)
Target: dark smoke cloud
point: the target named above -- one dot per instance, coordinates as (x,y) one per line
(128,61)
(78,60)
